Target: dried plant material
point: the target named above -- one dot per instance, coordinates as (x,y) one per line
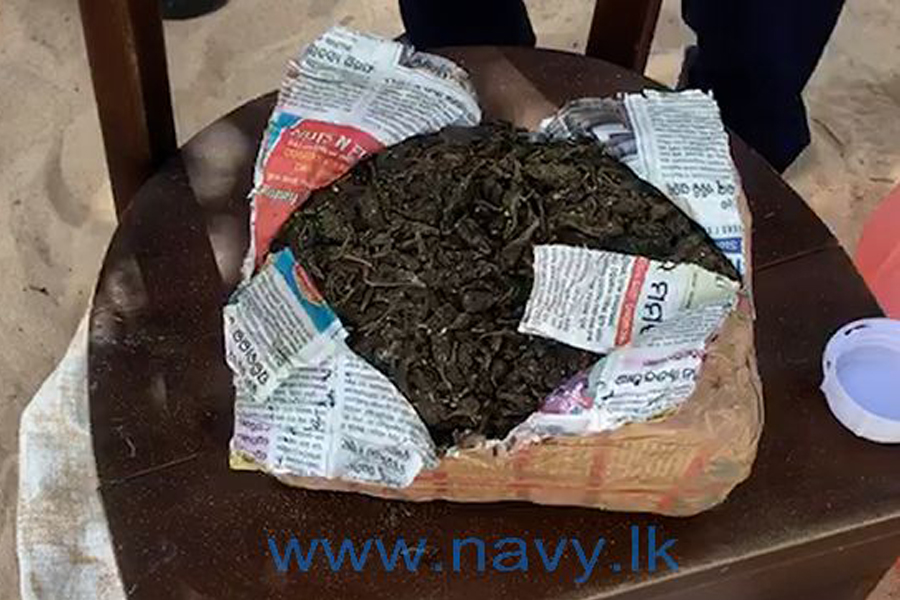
(425,253)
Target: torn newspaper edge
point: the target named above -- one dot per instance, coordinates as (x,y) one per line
(654,319)
(275,323)
(596,300)
(676,142)
(345,96)
(305,403)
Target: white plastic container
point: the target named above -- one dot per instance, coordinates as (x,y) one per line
(862,378)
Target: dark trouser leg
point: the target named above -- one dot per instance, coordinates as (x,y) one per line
(435,23)
(757,56)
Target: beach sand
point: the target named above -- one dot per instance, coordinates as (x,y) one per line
(55,203)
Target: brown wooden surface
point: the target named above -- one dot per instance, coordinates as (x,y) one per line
(820,512)
(622,32)
(127,55)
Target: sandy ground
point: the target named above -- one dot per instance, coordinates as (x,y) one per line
(57,210)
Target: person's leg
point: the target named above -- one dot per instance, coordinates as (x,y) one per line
(757,56)
(435,23)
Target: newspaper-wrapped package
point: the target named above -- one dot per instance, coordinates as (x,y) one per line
(668,418)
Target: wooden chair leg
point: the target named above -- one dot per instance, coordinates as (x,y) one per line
(622,31)
(127,55)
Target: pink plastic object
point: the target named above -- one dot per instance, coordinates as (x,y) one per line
(878,254)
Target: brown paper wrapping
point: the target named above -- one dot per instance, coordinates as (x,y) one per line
(679,466)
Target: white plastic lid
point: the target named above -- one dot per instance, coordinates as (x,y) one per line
(862,378)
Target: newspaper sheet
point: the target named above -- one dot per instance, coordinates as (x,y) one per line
(306,404)
(675,141)
(274,323)
(597,300)
(344,97)
(652,319)
(339,419)
(644,380)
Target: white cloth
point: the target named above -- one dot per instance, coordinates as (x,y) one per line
(63,540)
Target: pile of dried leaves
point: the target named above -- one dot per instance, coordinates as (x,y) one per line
(424,251)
